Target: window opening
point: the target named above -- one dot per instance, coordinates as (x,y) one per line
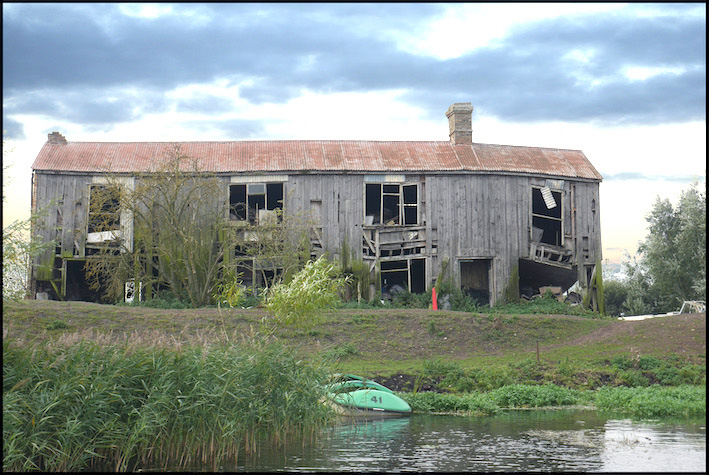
(391,204)
(104,209)
(410,205)
(404,274)
(255,202)
(546,216)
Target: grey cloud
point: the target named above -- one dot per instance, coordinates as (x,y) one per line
(233,129)
(286,48)
(12,129)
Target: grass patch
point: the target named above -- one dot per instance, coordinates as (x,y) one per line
(655,401)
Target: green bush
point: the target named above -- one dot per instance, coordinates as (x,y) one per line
(547,395)
(622,362)
(57,325)
(633,378)
(313,290)
(649,362)
(406,299)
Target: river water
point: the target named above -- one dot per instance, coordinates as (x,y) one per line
(558,440)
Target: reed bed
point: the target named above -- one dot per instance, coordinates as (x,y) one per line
(77,405)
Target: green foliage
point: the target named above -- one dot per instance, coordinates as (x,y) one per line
(313,290)
(615,293)
(654,401)
(358,272)
(231,292)
(87,406)
(547,395)
(476,403)
(671,262)
(406,299)
(57,325)
(545,305)
(177,227)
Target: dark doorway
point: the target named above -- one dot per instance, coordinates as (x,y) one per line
(475,279)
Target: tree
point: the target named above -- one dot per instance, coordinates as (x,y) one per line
(19,248)
(177,219)
(181,238)
(671,262)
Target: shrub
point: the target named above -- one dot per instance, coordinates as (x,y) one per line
(649,362)
(314,289)
(547,395)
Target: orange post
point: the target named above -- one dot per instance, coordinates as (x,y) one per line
(434,299)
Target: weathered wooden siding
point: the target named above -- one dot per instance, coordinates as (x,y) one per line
(473,216)
(64,199)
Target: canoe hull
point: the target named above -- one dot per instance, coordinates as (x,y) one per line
(370,402)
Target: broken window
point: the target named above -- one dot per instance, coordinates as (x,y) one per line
(405,274)
(104,220)
(546,216)
(391,204)
(255,202)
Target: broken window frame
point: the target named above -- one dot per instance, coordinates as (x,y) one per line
(415,274)
(249,210)
(397,199)
(549,218)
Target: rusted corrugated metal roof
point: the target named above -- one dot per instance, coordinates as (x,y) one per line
(316,155)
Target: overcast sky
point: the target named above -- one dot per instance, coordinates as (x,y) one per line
(625,83)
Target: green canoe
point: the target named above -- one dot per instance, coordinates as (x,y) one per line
(356,396)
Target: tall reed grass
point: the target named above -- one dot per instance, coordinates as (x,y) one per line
(119,407)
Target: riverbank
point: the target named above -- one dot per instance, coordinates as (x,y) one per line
(407,349)
(88,384)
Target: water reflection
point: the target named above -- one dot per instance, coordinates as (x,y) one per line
(513,441)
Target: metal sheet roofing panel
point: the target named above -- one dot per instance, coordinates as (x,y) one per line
(312,155)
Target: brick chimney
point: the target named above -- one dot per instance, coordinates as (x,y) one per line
(460,123)
(56,138)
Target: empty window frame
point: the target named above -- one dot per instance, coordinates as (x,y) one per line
(391,204)
(547,222)
(104,208)
(254,202)
(405,274)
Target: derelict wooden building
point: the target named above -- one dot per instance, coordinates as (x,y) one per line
(503,220)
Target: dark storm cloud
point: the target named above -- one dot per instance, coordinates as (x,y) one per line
(73,53)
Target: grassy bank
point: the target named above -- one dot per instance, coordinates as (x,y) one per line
(87,384)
